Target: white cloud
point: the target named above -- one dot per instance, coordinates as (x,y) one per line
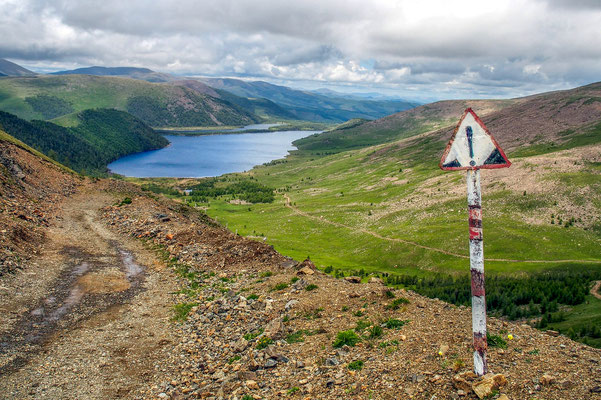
(461,48)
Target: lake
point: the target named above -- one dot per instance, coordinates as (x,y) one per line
(210,155)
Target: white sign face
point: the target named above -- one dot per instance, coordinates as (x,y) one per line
(472,146)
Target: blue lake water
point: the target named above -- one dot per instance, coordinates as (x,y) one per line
(212,155)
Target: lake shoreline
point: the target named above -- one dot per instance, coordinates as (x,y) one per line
(208,155)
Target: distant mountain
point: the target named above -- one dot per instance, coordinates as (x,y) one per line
(311,106)
(128,72)
(8,68)
(101,137)
(355,95)
(158,104)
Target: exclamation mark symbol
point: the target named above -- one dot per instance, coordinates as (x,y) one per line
(470,136)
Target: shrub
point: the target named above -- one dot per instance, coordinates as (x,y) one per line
(375,331)
(182,310)
(279,286)
(252,335)
(311,287)
(389,294)
(348,338)
(252,296)
(264,342)
(393,323)
(234,359)
(355,365)
(362,324)
(396,303)
(293,390)
(294,279)
(496,341)
(296,337)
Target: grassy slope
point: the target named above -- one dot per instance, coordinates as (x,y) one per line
(101,136)
(84,92)
(10,139)
(388,208)
(408,123)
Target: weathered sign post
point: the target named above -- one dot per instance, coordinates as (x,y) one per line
(472,148)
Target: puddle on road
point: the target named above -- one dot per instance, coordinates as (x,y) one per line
(87,288)
(132,269)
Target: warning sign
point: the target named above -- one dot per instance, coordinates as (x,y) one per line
(472,146)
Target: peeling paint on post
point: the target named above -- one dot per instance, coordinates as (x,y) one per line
(474,203)
(472,148)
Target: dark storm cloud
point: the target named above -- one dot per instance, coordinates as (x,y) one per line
(442,48)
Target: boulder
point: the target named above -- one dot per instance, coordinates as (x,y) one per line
(306,266)
(484,386)
(547,380)
(273,328)
(305,271)
(290,304)
(353,279)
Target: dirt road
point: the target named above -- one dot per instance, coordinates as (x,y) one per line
(90,319)
(595,290)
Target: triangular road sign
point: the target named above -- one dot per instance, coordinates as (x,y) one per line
(472,146)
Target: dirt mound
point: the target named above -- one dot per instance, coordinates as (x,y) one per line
(30,191)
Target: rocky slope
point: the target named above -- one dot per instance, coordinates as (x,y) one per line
(30,189)
(264,326)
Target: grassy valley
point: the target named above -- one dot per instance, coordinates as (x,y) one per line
(388,210)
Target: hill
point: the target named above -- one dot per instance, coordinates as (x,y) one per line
(8,68)
(404,124)
(308,105)
(100,137)
(157,104)
(534,120)
(126,72)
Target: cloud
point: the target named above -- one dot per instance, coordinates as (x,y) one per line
(432,48)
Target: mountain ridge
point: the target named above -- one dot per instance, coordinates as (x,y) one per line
(8,68)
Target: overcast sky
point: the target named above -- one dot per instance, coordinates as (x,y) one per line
(417,49)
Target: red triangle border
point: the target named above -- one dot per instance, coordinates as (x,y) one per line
(448,148)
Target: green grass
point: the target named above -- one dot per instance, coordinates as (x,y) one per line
(181,311)
(586,314)
(356,365)
(388,209)
(348,338)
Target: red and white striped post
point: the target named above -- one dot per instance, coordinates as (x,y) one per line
(472,148)
(474,204)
